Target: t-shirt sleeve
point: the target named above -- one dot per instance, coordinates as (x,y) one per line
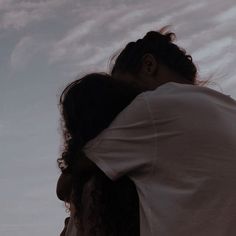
(127,146)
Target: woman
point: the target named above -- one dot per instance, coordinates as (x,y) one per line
(102,207)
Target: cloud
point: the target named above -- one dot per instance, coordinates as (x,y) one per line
(229,14)
(69,46)
(6,4)
(218,64)
(18,14)
(127,18)
(18,19)
(93,40)
(213,49)
(1,129)
(23,52)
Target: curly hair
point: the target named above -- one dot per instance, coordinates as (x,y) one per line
(88,106)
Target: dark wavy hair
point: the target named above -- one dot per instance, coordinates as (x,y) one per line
(88,106)
(161,45)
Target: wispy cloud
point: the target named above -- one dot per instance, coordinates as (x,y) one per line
(1,129)
(69,46)
(19,18)
(219,64)
(229,14)
(18,14)
(23,52)
(6,4)
(213,49)
(94,41)
(128,17)
(85,45)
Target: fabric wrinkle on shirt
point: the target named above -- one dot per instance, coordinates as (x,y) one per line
(178,144)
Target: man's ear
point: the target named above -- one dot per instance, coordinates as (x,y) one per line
(149,65)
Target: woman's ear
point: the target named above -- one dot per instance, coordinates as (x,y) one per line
(149,65)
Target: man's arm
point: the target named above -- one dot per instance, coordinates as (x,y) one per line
(84,166)
(128,144)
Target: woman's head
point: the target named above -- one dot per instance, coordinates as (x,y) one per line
(88,106)
(153,50)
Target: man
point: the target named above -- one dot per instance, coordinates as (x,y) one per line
(177,142)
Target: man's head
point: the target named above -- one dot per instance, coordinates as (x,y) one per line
(154,60)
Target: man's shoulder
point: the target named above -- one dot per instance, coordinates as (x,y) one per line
(168,94)
(173,92)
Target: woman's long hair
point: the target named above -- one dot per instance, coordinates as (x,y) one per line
(88,106)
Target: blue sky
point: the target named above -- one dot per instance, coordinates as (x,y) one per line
(46,44)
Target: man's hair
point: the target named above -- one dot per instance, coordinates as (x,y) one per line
(160,45)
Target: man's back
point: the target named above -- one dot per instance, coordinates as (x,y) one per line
(178,144)
(195,163)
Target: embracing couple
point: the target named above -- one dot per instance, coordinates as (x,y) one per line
(147,150)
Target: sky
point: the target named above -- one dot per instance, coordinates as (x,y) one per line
(45,44)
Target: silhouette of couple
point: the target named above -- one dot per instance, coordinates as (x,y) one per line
(148,150)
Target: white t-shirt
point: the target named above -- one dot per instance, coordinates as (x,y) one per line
(178,144)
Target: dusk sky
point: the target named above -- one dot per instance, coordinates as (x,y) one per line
(47,43)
